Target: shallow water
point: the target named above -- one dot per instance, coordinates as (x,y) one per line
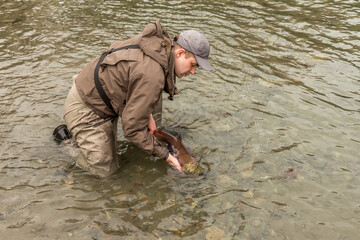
(276,125)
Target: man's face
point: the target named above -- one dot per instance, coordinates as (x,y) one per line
(184,66)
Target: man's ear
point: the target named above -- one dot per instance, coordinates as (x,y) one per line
(180,52)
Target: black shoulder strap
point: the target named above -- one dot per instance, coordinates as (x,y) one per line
(98,86)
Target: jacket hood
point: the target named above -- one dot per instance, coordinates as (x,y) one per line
(155,42)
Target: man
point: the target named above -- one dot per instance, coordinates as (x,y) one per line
(127,82)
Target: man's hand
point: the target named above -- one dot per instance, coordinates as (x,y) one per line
(172,161)
(151,124)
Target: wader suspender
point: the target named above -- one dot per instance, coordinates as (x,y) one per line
(98,86)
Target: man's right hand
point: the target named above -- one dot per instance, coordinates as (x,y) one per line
(172,161)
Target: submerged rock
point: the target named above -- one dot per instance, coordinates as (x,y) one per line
(215,234)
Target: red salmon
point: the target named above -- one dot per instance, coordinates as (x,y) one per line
(188,163)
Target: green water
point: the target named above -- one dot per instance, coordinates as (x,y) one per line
(276,125)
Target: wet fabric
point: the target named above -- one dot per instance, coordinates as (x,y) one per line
(95,136)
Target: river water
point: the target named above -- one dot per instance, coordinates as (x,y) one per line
(275,126)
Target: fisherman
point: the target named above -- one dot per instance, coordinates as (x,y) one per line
(126,81)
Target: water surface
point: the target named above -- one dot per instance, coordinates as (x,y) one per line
(276,125)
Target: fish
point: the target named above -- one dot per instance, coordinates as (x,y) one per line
(177,149)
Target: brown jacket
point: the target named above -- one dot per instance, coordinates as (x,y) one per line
(133,79)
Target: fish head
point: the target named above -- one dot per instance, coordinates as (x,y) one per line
(192,167)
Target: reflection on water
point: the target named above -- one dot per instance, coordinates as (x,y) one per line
(276,124)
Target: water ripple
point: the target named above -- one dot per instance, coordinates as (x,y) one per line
(284,95)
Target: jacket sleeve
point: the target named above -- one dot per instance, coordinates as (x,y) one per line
(146,83)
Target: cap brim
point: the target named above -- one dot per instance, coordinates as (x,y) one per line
(203,63)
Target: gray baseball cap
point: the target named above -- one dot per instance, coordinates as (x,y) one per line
(196,43)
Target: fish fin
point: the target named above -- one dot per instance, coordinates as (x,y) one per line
(157,132)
